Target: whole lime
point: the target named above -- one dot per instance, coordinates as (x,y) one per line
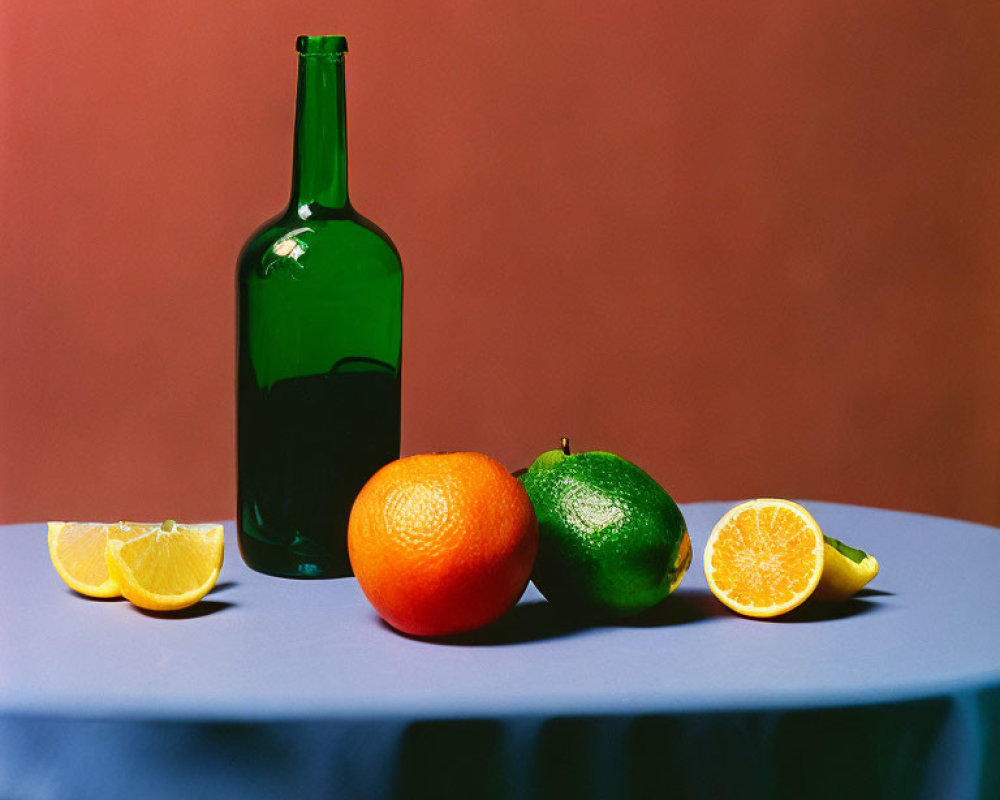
(612,542)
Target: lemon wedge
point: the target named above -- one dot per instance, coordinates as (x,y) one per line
(77,551)
(846,570)
(169,567)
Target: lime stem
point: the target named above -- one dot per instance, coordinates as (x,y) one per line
(564,444)
(168,526)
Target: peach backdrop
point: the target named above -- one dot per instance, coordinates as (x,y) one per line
(751,246)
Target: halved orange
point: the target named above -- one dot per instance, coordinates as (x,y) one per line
(764,557)
(168,567)
(77,553)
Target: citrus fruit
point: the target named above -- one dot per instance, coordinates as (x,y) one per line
(764,557)
(846,570)
(77,553)
(442,543)
(168,566)
(612,542)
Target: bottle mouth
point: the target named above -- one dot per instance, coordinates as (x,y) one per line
(321,45)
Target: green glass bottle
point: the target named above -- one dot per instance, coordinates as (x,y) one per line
(319,334)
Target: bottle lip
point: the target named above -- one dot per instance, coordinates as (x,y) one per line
(321,45)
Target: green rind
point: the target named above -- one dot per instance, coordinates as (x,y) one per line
(855,555)
(609,534)
(548,459)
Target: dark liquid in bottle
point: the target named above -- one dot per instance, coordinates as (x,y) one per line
(306,447)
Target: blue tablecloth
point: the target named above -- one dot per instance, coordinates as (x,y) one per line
(274,688)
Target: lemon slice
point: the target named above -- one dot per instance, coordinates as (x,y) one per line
(846,570)
(764,557)
(168,567)
(77,552)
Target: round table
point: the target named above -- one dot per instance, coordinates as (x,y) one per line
(272,687)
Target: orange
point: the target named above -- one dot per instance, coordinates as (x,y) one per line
(764,557)
(442,543)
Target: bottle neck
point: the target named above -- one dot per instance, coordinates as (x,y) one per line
(319,166)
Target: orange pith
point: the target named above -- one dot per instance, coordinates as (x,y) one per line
(764,557)
(442,543)
(683,560)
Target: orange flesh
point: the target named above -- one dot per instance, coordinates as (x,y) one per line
(764,558)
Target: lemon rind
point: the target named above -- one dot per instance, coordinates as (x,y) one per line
(843,578)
